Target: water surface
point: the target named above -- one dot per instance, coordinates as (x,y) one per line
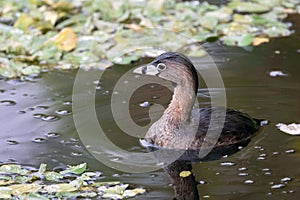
(37,124)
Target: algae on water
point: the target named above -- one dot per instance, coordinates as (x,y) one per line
(66,34)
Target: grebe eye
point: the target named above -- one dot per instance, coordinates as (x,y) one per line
(161,67)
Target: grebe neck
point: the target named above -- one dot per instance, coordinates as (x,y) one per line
(181,105)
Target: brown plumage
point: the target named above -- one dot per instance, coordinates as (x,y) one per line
(180,127)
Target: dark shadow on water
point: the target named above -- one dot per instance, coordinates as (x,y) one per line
(186,186)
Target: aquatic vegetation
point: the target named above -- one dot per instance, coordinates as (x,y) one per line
(17,182)
(65,34)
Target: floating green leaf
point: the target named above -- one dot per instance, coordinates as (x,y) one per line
(209,22)
(35,196)
(67,195)
(54,185)
(248,7)
(224,14)
(77,169)
(52,176)
(118,189)
(60,187)
(23,179)
(89,194)
(31,69)
(243,40)
(17,169)
(42,168)
(5,193)
(277,32)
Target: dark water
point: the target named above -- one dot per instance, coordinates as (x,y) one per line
(37,124)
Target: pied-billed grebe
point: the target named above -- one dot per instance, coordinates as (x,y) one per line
(169,131)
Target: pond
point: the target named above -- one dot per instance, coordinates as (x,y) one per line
(37,123)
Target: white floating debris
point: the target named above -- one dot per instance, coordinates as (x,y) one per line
(278,186)
(277,52)
(227,164)
(285,179)
(292,129)
(248,181)
(277,73)
(145,104)
(290,151)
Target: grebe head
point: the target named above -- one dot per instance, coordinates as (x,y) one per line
(174,67)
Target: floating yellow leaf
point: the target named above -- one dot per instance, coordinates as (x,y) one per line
(23,22)
(66,39)
(259,40)
(184,174)
(5,182)
(34,2)
(98,184)
(133,193)
(19,189)
(134,27)
(62,5)
(139,190)
(59,5)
